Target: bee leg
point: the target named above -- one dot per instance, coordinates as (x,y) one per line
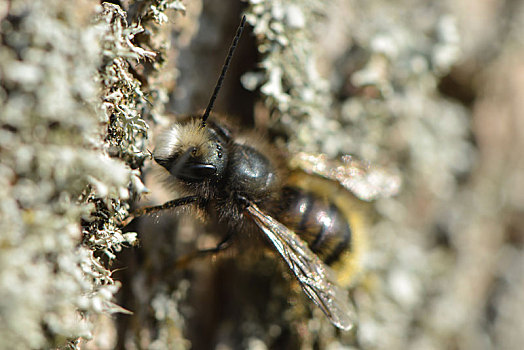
(223,245)
(167,205)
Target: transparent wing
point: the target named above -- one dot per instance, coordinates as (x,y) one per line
(316,279)
(366,182)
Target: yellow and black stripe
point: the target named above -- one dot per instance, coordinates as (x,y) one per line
(329,218)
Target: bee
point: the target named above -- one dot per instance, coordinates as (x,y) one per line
(223,172)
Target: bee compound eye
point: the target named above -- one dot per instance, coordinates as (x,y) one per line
(196,172)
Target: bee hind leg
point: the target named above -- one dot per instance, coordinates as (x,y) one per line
(225,243)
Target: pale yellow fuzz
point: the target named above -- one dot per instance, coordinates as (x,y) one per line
(182,136)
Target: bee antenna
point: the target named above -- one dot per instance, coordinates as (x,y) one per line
(224,70)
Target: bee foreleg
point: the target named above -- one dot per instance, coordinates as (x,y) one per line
(167,205)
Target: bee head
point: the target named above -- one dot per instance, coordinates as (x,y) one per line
(192,153)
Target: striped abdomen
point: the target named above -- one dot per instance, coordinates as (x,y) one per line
(317,221)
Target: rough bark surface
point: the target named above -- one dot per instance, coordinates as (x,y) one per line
(430,91)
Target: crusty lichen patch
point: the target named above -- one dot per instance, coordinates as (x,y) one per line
(71,140)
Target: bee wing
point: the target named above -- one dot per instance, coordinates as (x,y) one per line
(316,279)
(366,182)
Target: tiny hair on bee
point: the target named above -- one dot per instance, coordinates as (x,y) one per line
(243,183)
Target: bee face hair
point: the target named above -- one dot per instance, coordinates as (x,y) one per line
(191,152)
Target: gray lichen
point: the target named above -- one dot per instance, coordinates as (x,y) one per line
(376,68)
(49,134)
(70,130)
